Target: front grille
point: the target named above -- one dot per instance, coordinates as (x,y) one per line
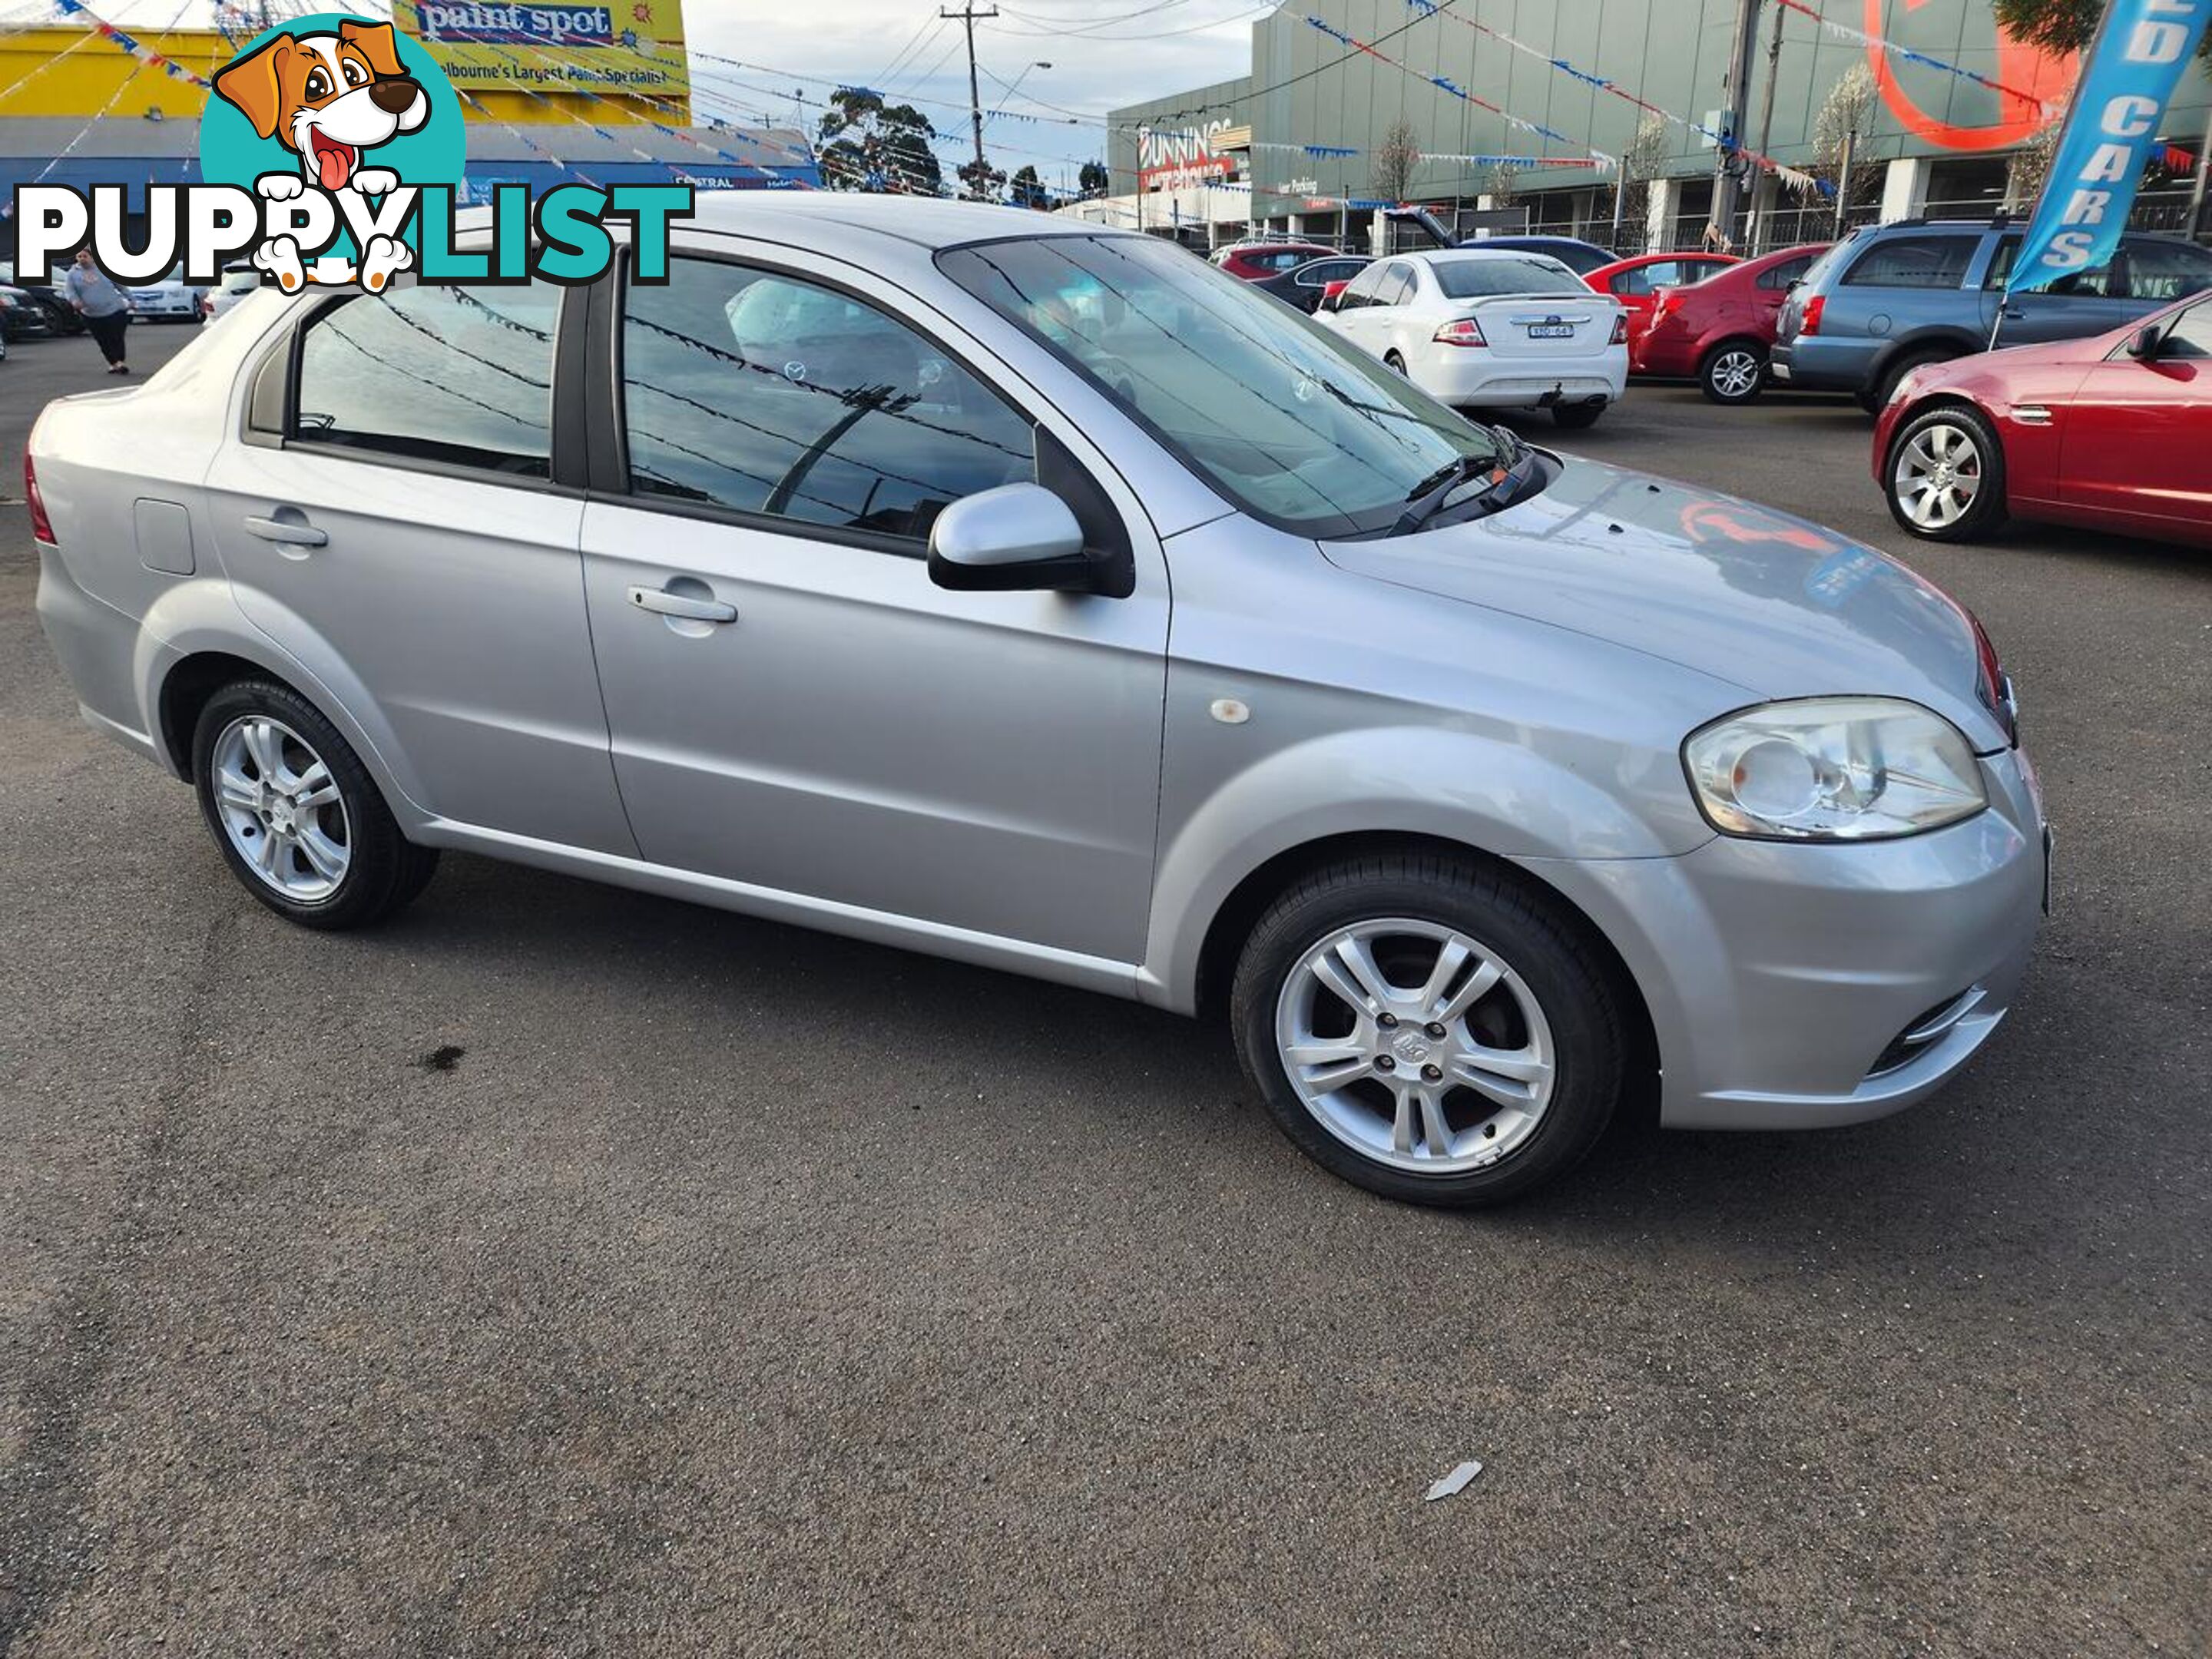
(1923,1030)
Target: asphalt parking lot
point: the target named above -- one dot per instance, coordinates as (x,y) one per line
(563,1271)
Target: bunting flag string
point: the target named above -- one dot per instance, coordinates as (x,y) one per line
(1906,54)
(1598,158)
(115,37)
(1794,178)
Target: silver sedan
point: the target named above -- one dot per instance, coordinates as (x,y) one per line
(1033,595)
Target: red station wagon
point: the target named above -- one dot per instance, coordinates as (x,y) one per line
(1718,331)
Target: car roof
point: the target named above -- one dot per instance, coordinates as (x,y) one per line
(926,221)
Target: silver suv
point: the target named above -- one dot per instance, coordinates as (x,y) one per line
(1890,299)
(1041,596)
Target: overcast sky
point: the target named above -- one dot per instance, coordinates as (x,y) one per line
(1103,53)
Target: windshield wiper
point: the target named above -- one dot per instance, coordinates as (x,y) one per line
(1426,499)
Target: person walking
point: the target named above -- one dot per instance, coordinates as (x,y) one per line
(105,309)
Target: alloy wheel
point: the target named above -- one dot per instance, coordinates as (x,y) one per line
(1937,475)
(281,808)
(1415,1045)
(1736,372)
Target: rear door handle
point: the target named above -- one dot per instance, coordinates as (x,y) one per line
(293,531)
(662,602)
(2014,313)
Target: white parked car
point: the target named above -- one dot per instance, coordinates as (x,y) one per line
(238,281)
(170,300)
(1491,330)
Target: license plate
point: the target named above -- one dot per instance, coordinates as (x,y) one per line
(1551,330)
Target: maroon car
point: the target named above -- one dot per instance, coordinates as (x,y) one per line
(2111,433)
(1255,260)
(1718,331)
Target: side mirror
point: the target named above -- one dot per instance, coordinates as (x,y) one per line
(2144,347)
(1016,537)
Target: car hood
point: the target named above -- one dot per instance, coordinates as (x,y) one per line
(1765,601)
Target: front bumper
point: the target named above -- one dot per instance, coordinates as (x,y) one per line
(1781,977)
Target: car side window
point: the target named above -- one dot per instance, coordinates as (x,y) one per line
(765,392)
(1781,275)
(1913,262)
(449,373)
(2166,270)
(2189,335)
(1640,279)
(2098,284)
(1361,289)
(1397,286)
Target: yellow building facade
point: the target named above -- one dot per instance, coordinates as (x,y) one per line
(61,72)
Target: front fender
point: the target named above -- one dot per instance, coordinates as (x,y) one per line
(1493,796)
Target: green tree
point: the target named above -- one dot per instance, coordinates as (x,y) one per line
(2061,25)
(866,144)
(1028,190)
(981,182)
(1092,180)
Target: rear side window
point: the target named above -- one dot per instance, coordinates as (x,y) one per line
(455,374)
(1641,279)
(1913,262)
(2166,270)
(1790,270)
(1397,286)
(763,392)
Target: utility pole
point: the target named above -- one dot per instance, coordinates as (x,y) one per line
(1727,174)
(1773,186)
(967,14)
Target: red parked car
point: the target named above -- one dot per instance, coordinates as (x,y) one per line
(1253,260)
(1718,331)
(1635,281)
(2112,433)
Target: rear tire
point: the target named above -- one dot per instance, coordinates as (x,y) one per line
(1578,417)
(1732,371)
(295,814)
(1383,1096)
(1395,364)
(1875,398)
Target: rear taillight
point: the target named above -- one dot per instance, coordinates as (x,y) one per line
(42,527)
(1621,329)
(1464,332)
(1809,322)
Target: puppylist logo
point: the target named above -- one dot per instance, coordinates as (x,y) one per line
(333,149)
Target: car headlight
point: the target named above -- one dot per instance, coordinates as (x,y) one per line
(1833,769)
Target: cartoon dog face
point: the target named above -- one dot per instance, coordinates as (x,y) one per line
(328,97)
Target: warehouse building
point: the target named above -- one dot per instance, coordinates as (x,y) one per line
(1941,108)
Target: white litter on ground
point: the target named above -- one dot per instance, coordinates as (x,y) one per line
(1456,1481)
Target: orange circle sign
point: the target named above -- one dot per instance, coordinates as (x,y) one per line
(2029,68)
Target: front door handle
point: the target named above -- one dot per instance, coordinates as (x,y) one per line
(662,602)
(2014,312)
(292,531)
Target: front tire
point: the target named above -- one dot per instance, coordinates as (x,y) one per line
(1429,1028)
(1733,372)
(1944,475)
(296,815)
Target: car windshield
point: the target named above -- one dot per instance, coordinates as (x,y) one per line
(1301,431)
(1480,276)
